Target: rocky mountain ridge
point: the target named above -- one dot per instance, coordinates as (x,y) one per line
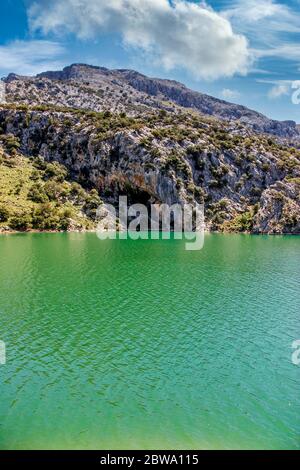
(98,88)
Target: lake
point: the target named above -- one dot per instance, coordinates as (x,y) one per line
(123,344)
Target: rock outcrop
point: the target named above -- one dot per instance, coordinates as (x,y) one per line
(279,208)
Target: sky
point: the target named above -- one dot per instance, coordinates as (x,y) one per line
(243,51)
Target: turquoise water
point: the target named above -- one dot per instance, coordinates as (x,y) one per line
(141,344)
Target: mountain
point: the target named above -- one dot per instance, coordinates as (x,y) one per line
(118,132)
(98,88)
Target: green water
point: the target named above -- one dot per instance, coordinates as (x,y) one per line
(141,344)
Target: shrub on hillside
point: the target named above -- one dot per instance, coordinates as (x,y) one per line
(37,193)
(77,193)
(56,171)
(4,214)
(92,202)
(21,222)
(56,191)
(46,217)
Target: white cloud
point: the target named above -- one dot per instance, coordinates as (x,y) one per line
(175,34)
(29,57)
(278,90)
(269,26)
(280,87)
(279,16)
(229,94)
(275,82)
(285,51)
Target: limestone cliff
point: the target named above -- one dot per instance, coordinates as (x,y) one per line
(167,157)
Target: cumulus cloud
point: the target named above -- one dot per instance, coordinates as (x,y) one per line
(229,94)
(175,34)
(30,57)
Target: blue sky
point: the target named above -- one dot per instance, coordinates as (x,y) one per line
(244,51)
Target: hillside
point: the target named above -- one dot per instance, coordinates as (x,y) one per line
(248,181)
(35,194)
(99,89)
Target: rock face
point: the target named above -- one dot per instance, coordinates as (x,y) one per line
(157,141)
(98,88)
(279,208)
(247,181)
(183,96)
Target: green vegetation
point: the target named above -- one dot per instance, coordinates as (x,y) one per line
(241,222)
(4,214)
(35,195)
(176,162)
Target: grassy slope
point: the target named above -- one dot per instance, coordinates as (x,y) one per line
(18,175)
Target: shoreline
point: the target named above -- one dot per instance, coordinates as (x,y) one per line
(13,232)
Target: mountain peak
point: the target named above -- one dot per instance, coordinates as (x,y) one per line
(73,71)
